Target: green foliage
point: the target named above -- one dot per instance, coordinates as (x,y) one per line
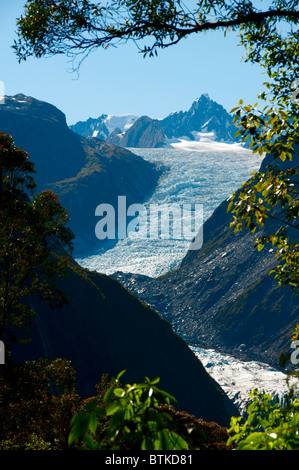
(38,400)
(270,425)
(134,415)
(34,443)
(34,238)
(41,410)
(271,196)
(271,126)
(76,27)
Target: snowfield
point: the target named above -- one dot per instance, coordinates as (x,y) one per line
(203,142)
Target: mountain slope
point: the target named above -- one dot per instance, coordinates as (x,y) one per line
(41,130)
(105,329)
(108,172)
(84,172)
(144,133)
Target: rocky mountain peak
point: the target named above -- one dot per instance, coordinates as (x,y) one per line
(27,105)
(203,99)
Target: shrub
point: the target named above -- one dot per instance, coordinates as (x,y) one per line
(270,425)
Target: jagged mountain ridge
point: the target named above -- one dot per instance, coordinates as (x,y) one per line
(92,128)
(205,116)
(104,125)
(84,172)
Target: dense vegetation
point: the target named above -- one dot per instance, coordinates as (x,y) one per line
(39,400)
(35,242)
(41,410)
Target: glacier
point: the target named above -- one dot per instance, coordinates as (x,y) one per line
(207,172)
(238,378)
(205,176)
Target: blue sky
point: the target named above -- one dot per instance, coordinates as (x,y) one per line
(121,81)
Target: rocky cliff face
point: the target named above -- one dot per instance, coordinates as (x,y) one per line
(145,133)
(116,137)
(41,130)
(84,172)
(222,296)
